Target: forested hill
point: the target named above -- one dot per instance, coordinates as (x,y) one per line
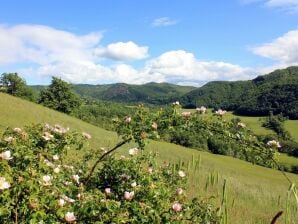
(154,93)
(276,92)
(217,94)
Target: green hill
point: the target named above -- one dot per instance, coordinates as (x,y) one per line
(255,194)
(217,94)
(153,93)
(277,92)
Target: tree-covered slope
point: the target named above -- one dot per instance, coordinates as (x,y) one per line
(276,92)
(217,94)
(154,93)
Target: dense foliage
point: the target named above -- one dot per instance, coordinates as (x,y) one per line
(59,96)
(217,94)
(288,145)
(38,185)
(195,130)
(278,99)
(13,84)
(150,93)
(100,113)
(276,124)
(276,92)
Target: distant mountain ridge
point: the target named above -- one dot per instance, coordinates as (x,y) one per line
(153,93)
(276,92)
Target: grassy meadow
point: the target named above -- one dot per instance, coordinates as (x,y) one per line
(254,194)
(292,127)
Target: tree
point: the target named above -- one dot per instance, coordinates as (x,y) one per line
(13,84)
(59,96)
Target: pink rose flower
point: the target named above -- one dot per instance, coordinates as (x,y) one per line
(177,207)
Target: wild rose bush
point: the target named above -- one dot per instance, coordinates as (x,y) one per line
(214,134)
(37,185)
(139,128)
(148,193)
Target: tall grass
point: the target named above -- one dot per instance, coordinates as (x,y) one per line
(215,186)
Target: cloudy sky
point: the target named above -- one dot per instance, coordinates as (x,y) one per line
(188,42)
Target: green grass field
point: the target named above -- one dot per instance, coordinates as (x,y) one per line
(292,127)
(254,123)
(254,194)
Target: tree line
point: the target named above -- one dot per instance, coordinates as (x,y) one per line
(58,95)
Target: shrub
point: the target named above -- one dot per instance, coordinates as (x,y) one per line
(215,133)
(195,130)
(289,168)
(188,139)
(59,96)
(276,124)
(218,146)
(37,184)
(289,147)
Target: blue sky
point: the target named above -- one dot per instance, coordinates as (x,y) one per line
(134,41)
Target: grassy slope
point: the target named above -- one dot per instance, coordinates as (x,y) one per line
(253,191)
(292,127)
(253,123)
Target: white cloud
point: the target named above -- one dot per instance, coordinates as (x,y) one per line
(124,51)
(283,49)
(163,21)
(44,45)
(195,84)
(45,51)
(282,3)
(287,5)
(174,66)
(41,51)
(182,66)
(76,72)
